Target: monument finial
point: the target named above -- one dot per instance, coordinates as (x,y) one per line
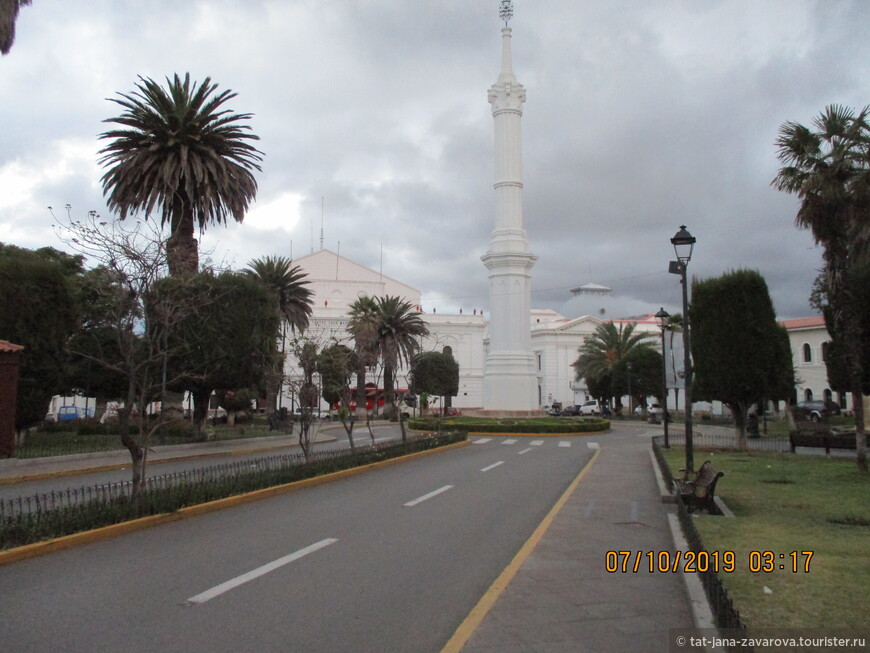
(506,10)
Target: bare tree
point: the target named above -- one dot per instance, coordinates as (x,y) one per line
(129,259)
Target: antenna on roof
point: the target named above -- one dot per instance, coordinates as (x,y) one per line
(321,221)
(506,11)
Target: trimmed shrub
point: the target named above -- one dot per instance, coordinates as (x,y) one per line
(511,425)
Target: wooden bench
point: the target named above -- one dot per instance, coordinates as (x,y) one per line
(822,439)
(700,491)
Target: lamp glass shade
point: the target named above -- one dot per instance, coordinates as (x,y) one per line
(662,318)
(683,243)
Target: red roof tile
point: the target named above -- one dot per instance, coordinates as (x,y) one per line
(804,322)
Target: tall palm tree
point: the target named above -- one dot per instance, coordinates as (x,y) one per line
(399,329)
(606,350)
(288,283)
(293,301)
(180,150)
(363,326)
(8,16)
(828,168)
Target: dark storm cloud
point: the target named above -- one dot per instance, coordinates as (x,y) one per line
(373,115)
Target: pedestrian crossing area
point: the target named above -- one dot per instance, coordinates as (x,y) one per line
(527,444)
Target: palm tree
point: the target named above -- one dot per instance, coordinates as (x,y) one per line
(829,170)
(8,16)
(363,326)
(607,350)
(293,301)
(399,329)
(180,150)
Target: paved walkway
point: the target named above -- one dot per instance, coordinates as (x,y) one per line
(563,599)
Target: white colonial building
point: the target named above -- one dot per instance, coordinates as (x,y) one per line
(337,282)
(556,335)
(809,349)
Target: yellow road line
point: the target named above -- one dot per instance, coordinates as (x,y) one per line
(477,614)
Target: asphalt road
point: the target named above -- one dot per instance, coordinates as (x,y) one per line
(389,560)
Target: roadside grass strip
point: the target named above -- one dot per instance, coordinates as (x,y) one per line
(800,537)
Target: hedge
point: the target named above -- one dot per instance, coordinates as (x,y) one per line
(565,425)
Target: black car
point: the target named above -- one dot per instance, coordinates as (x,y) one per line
(818,410)
(570,411)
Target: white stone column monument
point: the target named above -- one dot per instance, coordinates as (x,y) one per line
(510,381)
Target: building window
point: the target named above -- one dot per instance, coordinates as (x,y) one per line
(808,354)
(808,395)
(828,394)
(448,350)
(825,352)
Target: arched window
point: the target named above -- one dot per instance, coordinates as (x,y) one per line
(447,350)
(808,395)
(828,394)
(808,353)
(825,352)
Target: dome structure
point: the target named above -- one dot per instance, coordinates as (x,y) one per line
(599,301)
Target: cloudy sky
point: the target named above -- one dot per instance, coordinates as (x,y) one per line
(373,117)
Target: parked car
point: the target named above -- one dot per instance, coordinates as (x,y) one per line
(570,411)
(553,410)
(590,407)
(818,409)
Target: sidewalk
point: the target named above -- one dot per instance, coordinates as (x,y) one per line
(563,599)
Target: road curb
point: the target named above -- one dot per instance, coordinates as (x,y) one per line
(9,556)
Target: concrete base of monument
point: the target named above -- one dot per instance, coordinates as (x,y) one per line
(481,412)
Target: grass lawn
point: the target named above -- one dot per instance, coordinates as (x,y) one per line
(784,503)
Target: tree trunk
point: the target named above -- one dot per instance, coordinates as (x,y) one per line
(361,390)
(738,411)
(182,250)
(389,395)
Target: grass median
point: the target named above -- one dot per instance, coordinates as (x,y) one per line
(785,503)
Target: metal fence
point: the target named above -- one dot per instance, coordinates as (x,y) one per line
(729,441)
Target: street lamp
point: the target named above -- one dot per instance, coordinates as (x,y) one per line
(662,320)
(684,243)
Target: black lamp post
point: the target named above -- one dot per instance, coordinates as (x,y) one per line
(683,243)
(662,320)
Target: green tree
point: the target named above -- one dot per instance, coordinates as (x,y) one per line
(828,168)
(293,302)
(227,343)
(838,359)
(337,364)
(180,150)
(741,354)
(639,374)
(400,328)
(39,312)
(604,355)
(363,327)
(435,373)
(8,16)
